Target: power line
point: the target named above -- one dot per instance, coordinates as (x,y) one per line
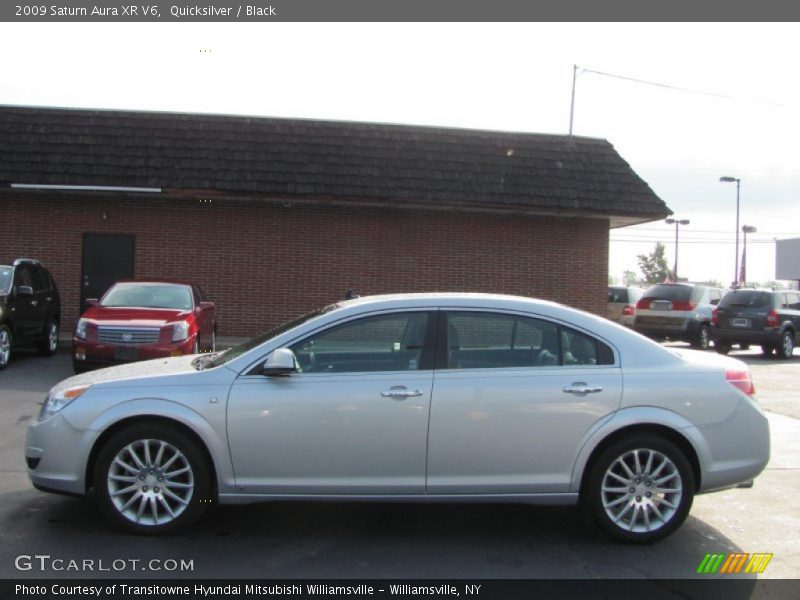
(690,90)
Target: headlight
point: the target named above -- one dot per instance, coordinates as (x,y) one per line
(80,329)
(55,402)
(180,331)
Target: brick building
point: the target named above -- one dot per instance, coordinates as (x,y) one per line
(275,216)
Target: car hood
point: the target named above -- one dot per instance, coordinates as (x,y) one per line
(143,317)
(137,370)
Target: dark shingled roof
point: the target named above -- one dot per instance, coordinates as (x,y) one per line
(327,160)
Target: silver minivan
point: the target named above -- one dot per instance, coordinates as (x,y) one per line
(622,303)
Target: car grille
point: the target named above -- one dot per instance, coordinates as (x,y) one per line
(128,335)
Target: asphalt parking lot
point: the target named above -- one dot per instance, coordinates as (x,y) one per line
(339,540)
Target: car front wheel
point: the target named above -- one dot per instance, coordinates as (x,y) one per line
(49,344)
(5,346)
(152,478)
(640,489)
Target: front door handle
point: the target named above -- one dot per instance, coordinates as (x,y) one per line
(399,392)
(581,388)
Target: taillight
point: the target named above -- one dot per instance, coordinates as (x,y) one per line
(772,318)
(684,305)
(628,310)
(715,316)
(644,303)
(741,379)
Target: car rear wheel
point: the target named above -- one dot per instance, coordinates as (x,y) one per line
(152,478)
(640,489)
(5,346)
(49,345)
(786,349)
(722,347)
(703,339)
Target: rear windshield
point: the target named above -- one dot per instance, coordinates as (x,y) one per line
(746,299)
(618,294)
(676,293)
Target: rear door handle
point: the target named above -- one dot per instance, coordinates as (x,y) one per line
(581,388)
(399,392)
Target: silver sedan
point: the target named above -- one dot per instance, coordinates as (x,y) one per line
(423,397)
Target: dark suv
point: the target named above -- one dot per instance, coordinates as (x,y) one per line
(30,308)
(765,317)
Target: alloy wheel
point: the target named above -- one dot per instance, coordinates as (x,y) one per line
(52,336)
(5,346)
(787,345)
(150,482)
(641,490)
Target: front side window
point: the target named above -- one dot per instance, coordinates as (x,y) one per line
(499,341)
(22,277)
(393,342)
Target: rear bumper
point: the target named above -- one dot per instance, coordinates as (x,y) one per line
(687,330)
(770,337)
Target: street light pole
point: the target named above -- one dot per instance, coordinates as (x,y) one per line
(677,222)
(745,230)
(736,260)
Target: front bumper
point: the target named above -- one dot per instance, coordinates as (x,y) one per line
(56,453)
(96,354)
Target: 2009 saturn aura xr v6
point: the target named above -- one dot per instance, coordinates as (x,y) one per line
(458,397)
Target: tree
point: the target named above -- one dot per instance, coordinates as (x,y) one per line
(629,278)
(612,280)
(654,265)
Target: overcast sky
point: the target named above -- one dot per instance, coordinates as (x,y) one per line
(485,76)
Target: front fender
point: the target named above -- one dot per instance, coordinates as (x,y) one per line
(638,416)
(209,427)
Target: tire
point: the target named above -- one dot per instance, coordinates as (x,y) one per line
(49,345)
(145,496)
(5,346)
(786,348)
(703,339)
(767,350)
(722,347)
(634,517)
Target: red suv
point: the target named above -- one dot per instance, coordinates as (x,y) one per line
(140,320)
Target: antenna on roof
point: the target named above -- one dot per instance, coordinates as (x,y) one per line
(572,104)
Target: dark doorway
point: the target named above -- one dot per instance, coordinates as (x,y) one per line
(107,258)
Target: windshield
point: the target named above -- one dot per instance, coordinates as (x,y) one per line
(746,299)
(6,274)
(149,295)
(236,351)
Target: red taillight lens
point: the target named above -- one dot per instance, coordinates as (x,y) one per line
(644,303)
(772,318)
(715,316)
(684,305)
(628,310)
(741,379)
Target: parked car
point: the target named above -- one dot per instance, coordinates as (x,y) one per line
(678,312)
(419,397)
(765,317)
(140,320)
(30,308)
(622,303)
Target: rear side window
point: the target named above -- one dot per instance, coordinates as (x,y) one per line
(746,299)
(676,293)
(792,301)
(478,340)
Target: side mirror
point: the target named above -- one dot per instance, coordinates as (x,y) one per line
(205,305)
(24,291)
(279,363)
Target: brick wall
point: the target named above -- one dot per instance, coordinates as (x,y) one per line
(265,263)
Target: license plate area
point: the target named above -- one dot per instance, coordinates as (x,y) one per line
(664,305)
(740,322)
(125,353)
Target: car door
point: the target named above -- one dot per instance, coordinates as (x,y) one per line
(513,400)
(354,418)
(22,309)
(41,304)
